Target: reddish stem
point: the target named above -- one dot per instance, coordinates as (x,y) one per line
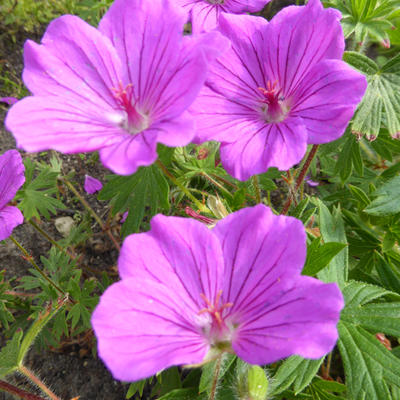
(15,391)
(300,178)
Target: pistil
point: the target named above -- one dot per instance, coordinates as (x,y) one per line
(275,109)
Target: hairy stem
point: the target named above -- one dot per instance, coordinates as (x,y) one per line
(172,178)
(215,378)
(257,188)
(33,378)
(90,209)
(215,183)
(15,391)
(300,178)
(29,258)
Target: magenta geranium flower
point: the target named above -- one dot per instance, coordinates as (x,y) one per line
(280,87)
(11,179)
(188,291)
(204,14)
(92,185)
(119,89)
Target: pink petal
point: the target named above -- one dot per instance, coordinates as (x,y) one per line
(301,320)
(11,176)
(262,251)
(8,100)
(263,145)
(63,124)
(327,98)
(166,74)
(10,217)
(143,327)
(92,185)
(299,38)
(75,60)
(130,153)
(179,252)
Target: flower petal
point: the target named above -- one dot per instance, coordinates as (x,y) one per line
(301,320)
(180,253)
(327,98)
(298,38)
(264,145)
(166,74)
(11,176)
(92,185)
(143,327)
(63,124)
(262,251)
(75,60)
(10,217)
(130,153)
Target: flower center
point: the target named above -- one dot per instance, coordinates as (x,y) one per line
(218,331)
(130,118)
(274,107)
(216,1)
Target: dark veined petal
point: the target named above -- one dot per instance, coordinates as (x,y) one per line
(11,175)
(327,98)
(262,251)
(179,253)
(63,124)
(143,327)
(10,217)
(74,60)
(165,75)
(277,311)
(301,320)
(263,145)
(298,38)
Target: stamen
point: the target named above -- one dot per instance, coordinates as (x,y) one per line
(215,309)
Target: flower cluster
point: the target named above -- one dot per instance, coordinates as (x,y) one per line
(264,90)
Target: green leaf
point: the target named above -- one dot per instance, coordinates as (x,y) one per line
(257,383)
(332,230)
(360,293)
(37,327)
(295,371)
(382,96)
(387,201)
(376,317)
(184,394)
(136,387)
(9,359)
(37,193)
(146,188)
(319,256)
(369,366)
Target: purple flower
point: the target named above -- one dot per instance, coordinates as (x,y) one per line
(204,14)
(11,179)
(188,291)
(119,89)
(8,100)
(92,185)
(310,182)
(280,87)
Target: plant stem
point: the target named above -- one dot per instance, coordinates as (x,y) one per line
(300,178)
(46,235)
(33,378)
(215,378)
(168,174)
(29,258)
(214,182)
(15,391)
(257,188)
(232,185)
(90,209)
